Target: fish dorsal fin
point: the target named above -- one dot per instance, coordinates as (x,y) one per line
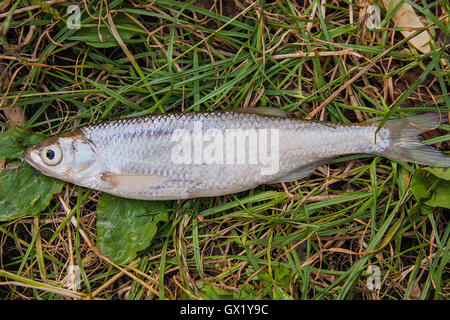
(265,111)
(131,182)
(297,173)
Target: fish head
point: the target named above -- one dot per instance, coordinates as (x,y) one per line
(69,157)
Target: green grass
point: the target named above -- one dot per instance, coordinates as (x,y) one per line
(310,239)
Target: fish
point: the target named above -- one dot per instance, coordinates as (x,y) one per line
(176,156)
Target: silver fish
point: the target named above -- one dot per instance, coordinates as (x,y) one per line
(180,156)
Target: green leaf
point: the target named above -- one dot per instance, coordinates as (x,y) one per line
(90,34)
(420,185)
(442,173)
(279,294)
(25,192)
(14,141)
(277,287)
(441,196)
(211,292)
(125,227)
(426,185)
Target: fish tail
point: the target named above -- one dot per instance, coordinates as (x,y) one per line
(405,144)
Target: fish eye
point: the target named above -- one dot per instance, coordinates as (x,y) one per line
(51,155)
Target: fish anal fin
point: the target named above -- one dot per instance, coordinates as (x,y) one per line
(131,182)
(202,193)
(296,174)
(265,111)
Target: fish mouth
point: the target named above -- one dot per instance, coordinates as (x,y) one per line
(27,157)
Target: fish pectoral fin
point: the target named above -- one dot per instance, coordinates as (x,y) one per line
(297,173)
(265,111)
(134,182)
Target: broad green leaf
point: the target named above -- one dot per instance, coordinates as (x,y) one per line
(420,185)
(441,196)
(442,173)
(125,227)
(211,292)
(25,192)
(279,294)
(426,185)
(276,288)
(14,141)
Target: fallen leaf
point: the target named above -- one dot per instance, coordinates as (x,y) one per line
(406,17)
